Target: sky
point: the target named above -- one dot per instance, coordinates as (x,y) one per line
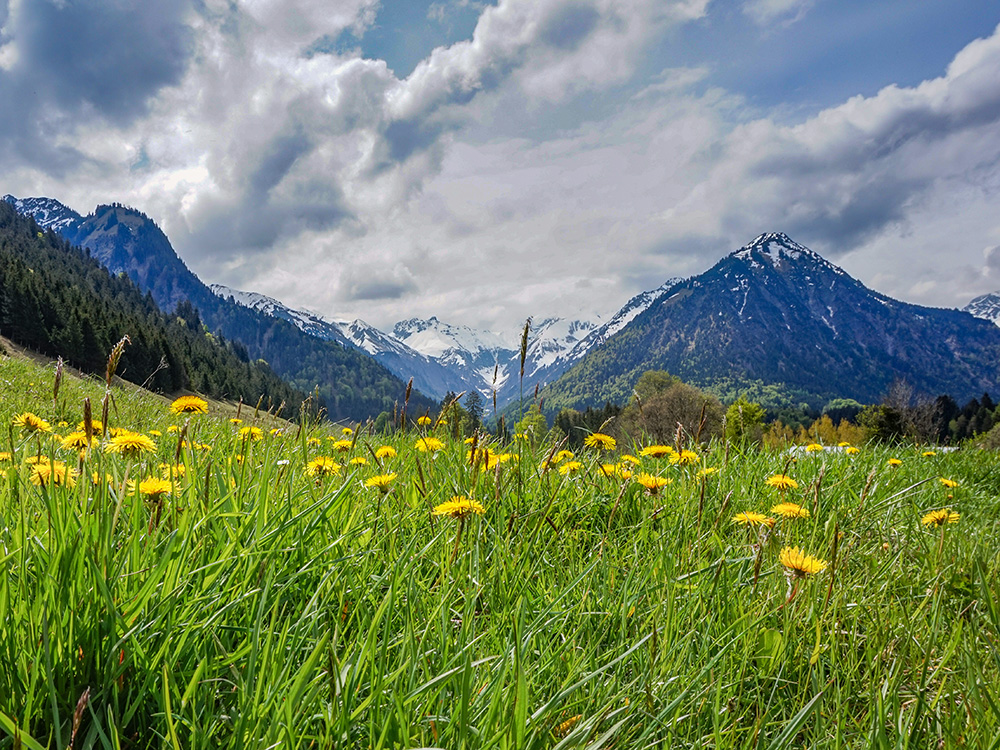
(488,161)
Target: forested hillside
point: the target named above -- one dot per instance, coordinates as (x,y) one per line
(57,300)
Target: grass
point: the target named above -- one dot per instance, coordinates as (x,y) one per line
(256,606)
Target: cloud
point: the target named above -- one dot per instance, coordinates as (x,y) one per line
(772,12)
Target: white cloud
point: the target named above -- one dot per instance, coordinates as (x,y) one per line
(771,12)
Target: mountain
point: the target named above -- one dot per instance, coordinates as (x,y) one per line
(351,383)
(57,301)
(986,306)
(778,313)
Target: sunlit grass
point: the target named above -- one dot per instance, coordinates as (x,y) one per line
(261,602)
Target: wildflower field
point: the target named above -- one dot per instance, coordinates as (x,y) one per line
(180,578)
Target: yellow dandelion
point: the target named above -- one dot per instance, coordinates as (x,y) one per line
(341,446)
(173,428)
(385,451)
(570,467)
(44,474)
(358,461)
(172,471)
(313,441)
(429,445)
(324,466)
(631,459)
(790,510)
(382,482)
(130,444)
(782,482)
(253,434)
(31,423)
(949,483)
(684,458)
(850,450)
(653,484)
(940,517)
(189,405)
(95,479)
(96,426)
(5,457)
(346,431)
(707,472)
(152,488)
(459,507)
(424,421)
(657,451)
(235,420)
(752,518)
(843,444)
(77,441)
(565,727)
(797,564)
(155,433)
(601,441)
(814,448)
(928,453)
(894,462)
(562,456)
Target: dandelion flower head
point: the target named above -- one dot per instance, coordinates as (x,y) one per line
(459,507)
(189,405)
(752,518)
(790,510)
(429,445)
(782,482)
(798,564)
(940,517)
(601,441)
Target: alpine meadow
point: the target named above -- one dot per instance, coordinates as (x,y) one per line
(499,375)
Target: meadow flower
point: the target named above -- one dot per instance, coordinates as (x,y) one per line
(235,420)
(894,462)
(173,428)
(843,444)
(752,518)
(96,426)
(631,459)
(172,471)
(324,466)
(77,441)
(155,433)
(382,482)
(949,483)
(346,431)
(562,456)
(313,441)
(814,448)
(385,451)
(685,457)
(152,488)
(130,444)
(189,405)
(429,445)
(850,450)
(782,482)
(570,467)
(253,434)
(565,727)
(797,564)
(657,451)
(653,484)
(424,421)
(707,472)
(600,440)
(4,456)
(358,461)
(31,423)
(790,510)
(459,507)
(341,445)
(56,473)
(940,517)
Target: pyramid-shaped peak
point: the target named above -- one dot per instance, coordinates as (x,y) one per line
(776,247)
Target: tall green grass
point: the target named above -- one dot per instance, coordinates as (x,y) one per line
(259,607)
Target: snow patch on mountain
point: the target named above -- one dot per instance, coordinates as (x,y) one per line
(48,213)
(985,306)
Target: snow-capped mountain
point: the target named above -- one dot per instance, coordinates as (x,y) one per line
(986,306)
(47,212)
(775,312)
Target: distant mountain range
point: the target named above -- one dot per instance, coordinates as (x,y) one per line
(352,384)
(771,314)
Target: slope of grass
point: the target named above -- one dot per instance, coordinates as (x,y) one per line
(257,606)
